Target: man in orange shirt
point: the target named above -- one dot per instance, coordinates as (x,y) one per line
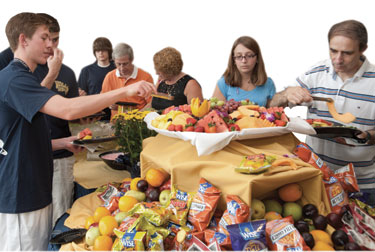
(125,74)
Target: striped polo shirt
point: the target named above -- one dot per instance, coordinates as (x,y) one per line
(357,96)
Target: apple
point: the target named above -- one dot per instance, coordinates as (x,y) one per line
(164,197)
(91,235)
(120,216)
(220,103)
(166,185)
(258,210)
(273,206)
(293,209)
(152,193)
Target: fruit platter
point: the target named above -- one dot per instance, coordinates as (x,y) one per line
(210,125)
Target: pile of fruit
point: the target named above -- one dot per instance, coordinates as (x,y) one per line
(218,116)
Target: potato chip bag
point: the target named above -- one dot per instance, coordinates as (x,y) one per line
(254,164)
(152,211)
(127,223)
(142,224)
(155,242)
(237,212)
(203,205)
(179,205)
(346,176)
(336,195)
(129,241)
(222,239)
(283,236)
(304,152)
(248,236)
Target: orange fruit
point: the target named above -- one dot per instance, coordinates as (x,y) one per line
(320,235)
(126,180)
(272,216)
(322,246)
(100,212)
(103,243)
(107,224)
(89,220)
(155,177)
(133,183)
(126,203)
(290,192)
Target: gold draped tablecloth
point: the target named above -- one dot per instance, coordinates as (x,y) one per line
(92,174)
(180,159)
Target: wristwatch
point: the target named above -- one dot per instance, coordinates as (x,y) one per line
(366,139)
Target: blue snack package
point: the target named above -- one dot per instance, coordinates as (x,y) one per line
(248,236)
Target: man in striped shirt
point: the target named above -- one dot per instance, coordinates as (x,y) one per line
(349,79)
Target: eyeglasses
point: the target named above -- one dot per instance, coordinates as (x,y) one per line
(242,57)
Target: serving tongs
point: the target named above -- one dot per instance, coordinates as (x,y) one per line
(316,98)
(163,96)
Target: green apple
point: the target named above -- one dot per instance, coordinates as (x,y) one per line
(140,196)
(120,216)
(243,102)
(91,235)
(258,210)
(273,206)
(293,209)
(212,104)
(164,197)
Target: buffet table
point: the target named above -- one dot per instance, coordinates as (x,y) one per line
(180,159)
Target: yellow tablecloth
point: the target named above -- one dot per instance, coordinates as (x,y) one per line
(180,159)
(92,174)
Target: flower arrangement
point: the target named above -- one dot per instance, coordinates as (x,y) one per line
(131,130)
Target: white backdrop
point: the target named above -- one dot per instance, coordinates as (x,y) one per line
(292,34)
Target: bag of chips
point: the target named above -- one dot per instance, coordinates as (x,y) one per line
(133,241)
(152,211)
(346,176)
(336,195)
(248,236)
(254,164)
(203,205)
(283,236)
(179,205)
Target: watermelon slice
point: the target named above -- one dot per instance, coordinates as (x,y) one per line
(213,118)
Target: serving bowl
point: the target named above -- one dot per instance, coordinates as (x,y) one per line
(115,159)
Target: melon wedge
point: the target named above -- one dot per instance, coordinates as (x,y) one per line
(345,118)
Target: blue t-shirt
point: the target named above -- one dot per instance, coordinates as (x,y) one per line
(6,56)
(92,76)
(66,86)
(259,95)
(26,166)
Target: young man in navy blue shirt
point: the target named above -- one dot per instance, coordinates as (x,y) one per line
(26,164)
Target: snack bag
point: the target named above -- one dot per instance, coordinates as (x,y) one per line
(304,152)
(222,239)
(248,236)
(254,164)
(152,211)
(155,242)
(283,236)
(203,205)
(346,176)
(362,220)
(179,205)
(336,194)
(133,241)
(369,210)
(237,212)
(127,223)
(142,224)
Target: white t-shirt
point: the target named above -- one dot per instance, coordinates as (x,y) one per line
(357,96)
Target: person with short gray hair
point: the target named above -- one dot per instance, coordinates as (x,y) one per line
(125,74)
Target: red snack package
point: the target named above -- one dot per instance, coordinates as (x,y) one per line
(283,236)
(127,223)
(304,152)
(203,205)
(363,221)
(223,240)
(112,204)
(336,195)
(346,176)
(237,212)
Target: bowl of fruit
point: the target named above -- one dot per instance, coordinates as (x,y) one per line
(115,159)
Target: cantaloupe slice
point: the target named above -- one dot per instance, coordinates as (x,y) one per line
(345,118)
